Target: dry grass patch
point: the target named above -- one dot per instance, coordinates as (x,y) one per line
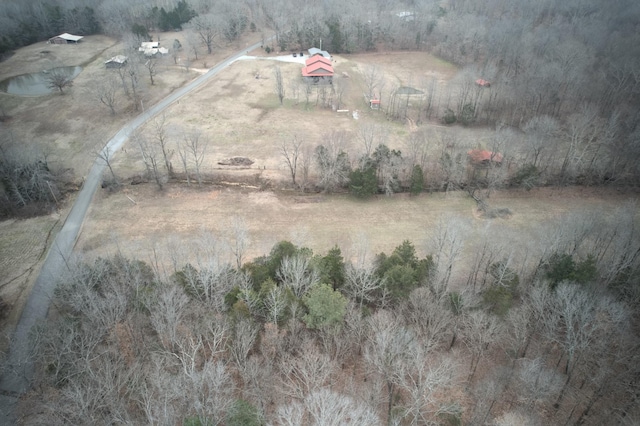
(317,221)
(23,246)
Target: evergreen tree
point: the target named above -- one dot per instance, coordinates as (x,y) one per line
(417,180)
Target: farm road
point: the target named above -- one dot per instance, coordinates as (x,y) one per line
(16,378)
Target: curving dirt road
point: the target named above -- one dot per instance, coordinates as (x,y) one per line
(17,376)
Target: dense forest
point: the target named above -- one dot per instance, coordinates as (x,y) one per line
(520,332)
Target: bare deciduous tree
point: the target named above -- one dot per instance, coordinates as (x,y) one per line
(184,159)
(275,304)
(362,281)
(373,79)
(193,42)
(428,316)
(537,381)
(58,78)
(151,158)
(242,340)
(167,312)
(291,151)
(446,246)
(480,329)
(305,373)
(422,381)
(239,240)
(105,91)
(105,155)
(196,145)
(207,27)
(540,134)
(333,161)
(150,65)
(279,84)
(371,135)
(296,273)
(389,347)
(159,125)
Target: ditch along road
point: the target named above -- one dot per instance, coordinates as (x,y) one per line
(18,372)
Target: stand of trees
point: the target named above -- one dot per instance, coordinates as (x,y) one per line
(540,331)
(28,186)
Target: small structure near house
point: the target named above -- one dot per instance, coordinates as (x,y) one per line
(483,83)
(152,48)
(406,16)
(148,45)
(315,51)
(374,103)
(409,91)
(483,158)
(116,62)
(65,38)
(236,161)
(318,70)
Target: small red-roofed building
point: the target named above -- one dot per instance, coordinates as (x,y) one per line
(483,83)
(480,157)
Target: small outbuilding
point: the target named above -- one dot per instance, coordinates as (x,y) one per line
(480,157)
(315,51)
(65,38)
(116,62)
(483,83)
(152,48)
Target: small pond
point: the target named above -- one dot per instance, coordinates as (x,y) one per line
(35,84)
(405,90)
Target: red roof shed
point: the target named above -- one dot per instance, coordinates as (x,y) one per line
(479,156)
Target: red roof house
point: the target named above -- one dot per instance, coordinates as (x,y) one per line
(317,58)
(318,68)
(483,83)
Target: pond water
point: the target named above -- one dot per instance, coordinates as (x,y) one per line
(35,84)
(405,90)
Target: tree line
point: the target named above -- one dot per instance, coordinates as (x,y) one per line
(508,331)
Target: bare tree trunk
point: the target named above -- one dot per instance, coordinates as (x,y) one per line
(279,84)
(196,145)
(159,126)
